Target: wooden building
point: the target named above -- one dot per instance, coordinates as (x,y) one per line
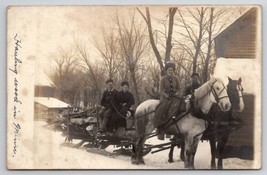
(46,106)
(239,41)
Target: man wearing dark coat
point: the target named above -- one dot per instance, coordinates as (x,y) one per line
(125,98)
(195,83)
(108,103)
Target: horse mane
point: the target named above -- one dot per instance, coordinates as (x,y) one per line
(205,88)
(199,92)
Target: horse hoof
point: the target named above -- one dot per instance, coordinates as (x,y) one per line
(189,167)
(213,167)
(142,163)
(135,163)
(170,161)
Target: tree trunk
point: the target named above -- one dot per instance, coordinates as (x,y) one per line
(172,12)
(152,41)
(199,40)
(207,60)
(136,93)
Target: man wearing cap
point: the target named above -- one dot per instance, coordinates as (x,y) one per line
(195,83)
(107,105)
(125,98)
(169,88)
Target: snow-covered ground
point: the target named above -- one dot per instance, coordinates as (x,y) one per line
(51,153)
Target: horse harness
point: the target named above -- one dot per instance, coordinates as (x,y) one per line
(216,96)
(195,112)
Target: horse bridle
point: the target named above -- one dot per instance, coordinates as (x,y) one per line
(217,96)
(240,88)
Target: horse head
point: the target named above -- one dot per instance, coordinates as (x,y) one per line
(235,92)
(219,94)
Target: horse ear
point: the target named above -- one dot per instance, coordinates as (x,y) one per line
(212,80)
(229,79)
(239,80)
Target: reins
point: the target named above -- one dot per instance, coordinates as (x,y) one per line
(200,114)
(116,110)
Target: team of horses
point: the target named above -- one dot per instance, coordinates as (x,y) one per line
(211,100)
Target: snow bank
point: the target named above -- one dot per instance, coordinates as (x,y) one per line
(247,69)
(51,154)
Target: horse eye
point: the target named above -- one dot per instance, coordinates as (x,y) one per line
(217,88)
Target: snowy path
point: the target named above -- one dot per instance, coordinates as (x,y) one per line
(51,154)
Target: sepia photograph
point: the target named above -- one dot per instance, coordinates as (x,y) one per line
(134,87)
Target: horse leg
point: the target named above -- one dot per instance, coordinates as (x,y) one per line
(213,152)
(135,152)
(171,153)
(194,149)
(220,147)
(140,158)
(188,152)
(182,151)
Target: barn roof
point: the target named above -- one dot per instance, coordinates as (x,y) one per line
(249,16)
(50,102)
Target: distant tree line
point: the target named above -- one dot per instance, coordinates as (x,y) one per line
(135,48)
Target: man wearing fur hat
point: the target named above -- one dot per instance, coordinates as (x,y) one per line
(108,103)
(125,98)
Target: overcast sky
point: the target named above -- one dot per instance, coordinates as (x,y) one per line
(44,29)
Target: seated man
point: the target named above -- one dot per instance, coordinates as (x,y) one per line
(108,104)
(125,98)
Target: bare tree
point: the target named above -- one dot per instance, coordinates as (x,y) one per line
(210,31)
(66,75)
(110,52)
(168,46)
(194,32)
(93,72)
(134,46)
(200,27)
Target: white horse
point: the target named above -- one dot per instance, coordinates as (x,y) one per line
(190,126)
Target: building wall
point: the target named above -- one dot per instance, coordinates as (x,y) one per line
(43,113)
(239,39)
(44,91)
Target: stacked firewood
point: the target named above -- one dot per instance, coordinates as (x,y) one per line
(75,124)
